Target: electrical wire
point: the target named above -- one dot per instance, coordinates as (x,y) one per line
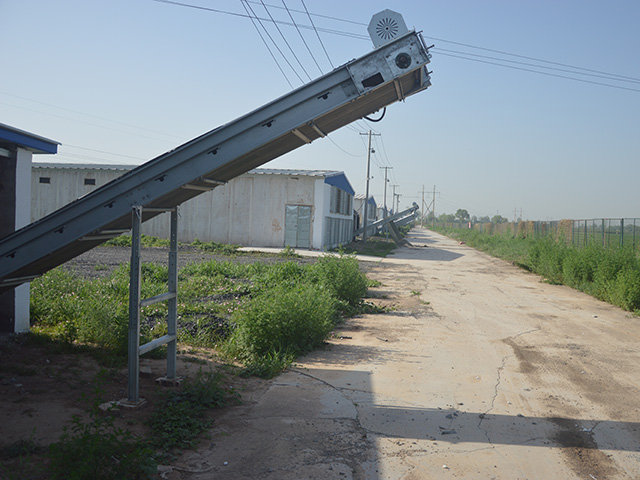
(91,116)
(103,151)
(437,49)
(317,33)
(582,80)
(87,123)
(302,37)
(287,44)
(579,70)
(247,7)
(339,147)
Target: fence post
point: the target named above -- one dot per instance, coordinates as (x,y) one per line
(622,232)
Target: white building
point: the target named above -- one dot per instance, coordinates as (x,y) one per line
(372,209)
(262,208)
(16,150)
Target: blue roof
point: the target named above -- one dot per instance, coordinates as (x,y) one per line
(340,180)
(29,141)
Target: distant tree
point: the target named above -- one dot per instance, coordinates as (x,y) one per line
(447,218)
(462,215)
(499,219)
(484,219)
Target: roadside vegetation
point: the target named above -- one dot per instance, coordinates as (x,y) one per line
(255,313)
(609,274)
(255,319)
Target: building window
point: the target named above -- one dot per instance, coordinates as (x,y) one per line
(341,201)
(45,179)
(89,181)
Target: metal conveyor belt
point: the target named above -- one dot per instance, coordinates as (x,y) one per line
(388,74)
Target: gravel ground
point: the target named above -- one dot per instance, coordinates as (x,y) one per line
(101,261)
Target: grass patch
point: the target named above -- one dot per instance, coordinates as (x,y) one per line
(183,414)
(374,246)
(95,448)
(263,314)
(609,274)
(215,247)
(145,241)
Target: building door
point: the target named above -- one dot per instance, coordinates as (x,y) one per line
(297,226)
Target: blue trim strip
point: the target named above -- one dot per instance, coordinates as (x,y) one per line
(340,181)
(36,145)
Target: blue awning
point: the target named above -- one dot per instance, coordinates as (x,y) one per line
(29,141)
(340,180)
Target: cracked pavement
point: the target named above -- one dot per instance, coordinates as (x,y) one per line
(481,371)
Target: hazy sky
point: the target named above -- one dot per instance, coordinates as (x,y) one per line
(138,77)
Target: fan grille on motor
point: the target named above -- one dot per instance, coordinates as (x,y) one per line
(387,28)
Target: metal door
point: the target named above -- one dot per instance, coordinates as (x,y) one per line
(297,226)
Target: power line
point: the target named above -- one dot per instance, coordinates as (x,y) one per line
(544,73)
(436,49)
(533,58)
(247,7)
(611,76)
(287,44)
(302,37)
(88,115)
(317,33)
(85,123)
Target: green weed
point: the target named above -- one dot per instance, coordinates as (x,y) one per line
(182,415)
(95,448)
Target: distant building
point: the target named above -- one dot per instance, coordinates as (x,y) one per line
(16,150)
(372,209)
(310,209)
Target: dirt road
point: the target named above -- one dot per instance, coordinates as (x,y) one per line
(481,372)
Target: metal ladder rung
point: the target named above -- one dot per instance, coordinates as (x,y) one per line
(147,347)
(157,299)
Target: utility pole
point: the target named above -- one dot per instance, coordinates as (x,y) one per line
(433,209)
(422,209)
(386,170)
(366,195)
(393,200)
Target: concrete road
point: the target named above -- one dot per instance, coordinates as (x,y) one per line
(481,371)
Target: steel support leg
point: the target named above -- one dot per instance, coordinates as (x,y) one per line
(134,306)
(172,318)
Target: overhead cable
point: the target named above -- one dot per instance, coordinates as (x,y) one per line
(302,37)
(247,7)
(287,44)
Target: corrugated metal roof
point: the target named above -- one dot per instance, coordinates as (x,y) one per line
(301,173)
(83,166)
(255,171)
(361,196)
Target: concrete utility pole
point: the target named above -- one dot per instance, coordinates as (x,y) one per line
(394,196)
(365,209)
(422,209)
(386,170)
(433,203)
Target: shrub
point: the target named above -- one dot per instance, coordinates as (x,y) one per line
(286,320)
(341,275)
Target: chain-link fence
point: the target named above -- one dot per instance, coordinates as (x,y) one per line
(609,232)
